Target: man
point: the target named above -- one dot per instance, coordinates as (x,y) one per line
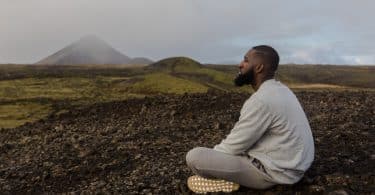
(270,144)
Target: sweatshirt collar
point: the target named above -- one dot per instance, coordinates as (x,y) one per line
(265,83)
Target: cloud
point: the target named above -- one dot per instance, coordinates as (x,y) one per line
(335,31)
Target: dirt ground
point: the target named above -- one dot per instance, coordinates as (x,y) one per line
(138,146)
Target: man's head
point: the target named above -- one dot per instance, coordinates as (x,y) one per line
(260,62)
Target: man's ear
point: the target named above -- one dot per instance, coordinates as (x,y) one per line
(259,68)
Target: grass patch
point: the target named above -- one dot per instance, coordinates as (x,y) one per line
(26,100)
(165,83)
(72,88)
(215,74)
(13,115)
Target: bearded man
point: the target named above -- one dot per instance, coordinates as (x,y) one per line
(271,143)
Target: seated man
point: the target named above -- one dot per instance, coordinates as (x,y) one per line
(270,144)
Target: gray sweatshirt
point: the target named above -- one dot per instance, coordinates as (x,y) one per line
(274,129)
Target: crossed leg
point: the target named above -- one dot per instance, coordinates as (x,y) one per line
(212,164)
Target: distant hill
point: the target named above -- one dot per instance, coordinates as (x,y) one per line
(175,63)
(191,70)
(90,50)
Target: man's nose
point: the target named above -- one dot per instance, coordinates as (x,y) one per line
(240,66)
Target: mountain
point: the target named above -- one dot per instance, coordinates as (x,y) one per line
(89,50)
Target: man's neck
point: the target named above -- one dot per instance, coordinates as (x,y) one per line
(258,81)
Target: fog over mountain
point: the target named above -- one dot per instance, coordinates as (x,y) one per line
(90,50)
(210,31)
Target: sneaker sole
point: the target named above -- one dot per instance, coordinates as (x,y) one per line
(202,185)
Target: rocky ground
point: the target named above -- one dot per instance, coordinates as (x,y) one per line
(139,145)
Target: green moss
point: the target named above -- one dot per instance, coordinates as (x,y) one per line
(72,88)
(13,115)
(43,88)
(214,74)
(217,75)
(164,83)
(22,99)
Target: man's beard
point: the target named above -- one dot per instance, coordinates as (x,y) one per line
(244,79)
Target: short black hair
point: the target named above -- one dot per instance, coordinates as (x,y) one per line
(268,54)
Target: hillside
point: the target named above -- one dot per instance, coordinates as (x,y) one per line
(190,69)
(32,92)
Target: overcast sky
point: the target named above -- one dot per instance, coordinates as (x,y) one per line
(210,31)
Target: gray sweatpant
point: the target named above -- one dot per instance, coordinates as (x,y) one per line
(244,170)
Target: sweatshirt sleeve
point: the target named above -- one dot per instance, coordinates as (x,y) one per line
(254,121)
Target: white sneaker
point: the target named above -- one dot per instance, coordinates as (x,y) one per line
(202,185)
